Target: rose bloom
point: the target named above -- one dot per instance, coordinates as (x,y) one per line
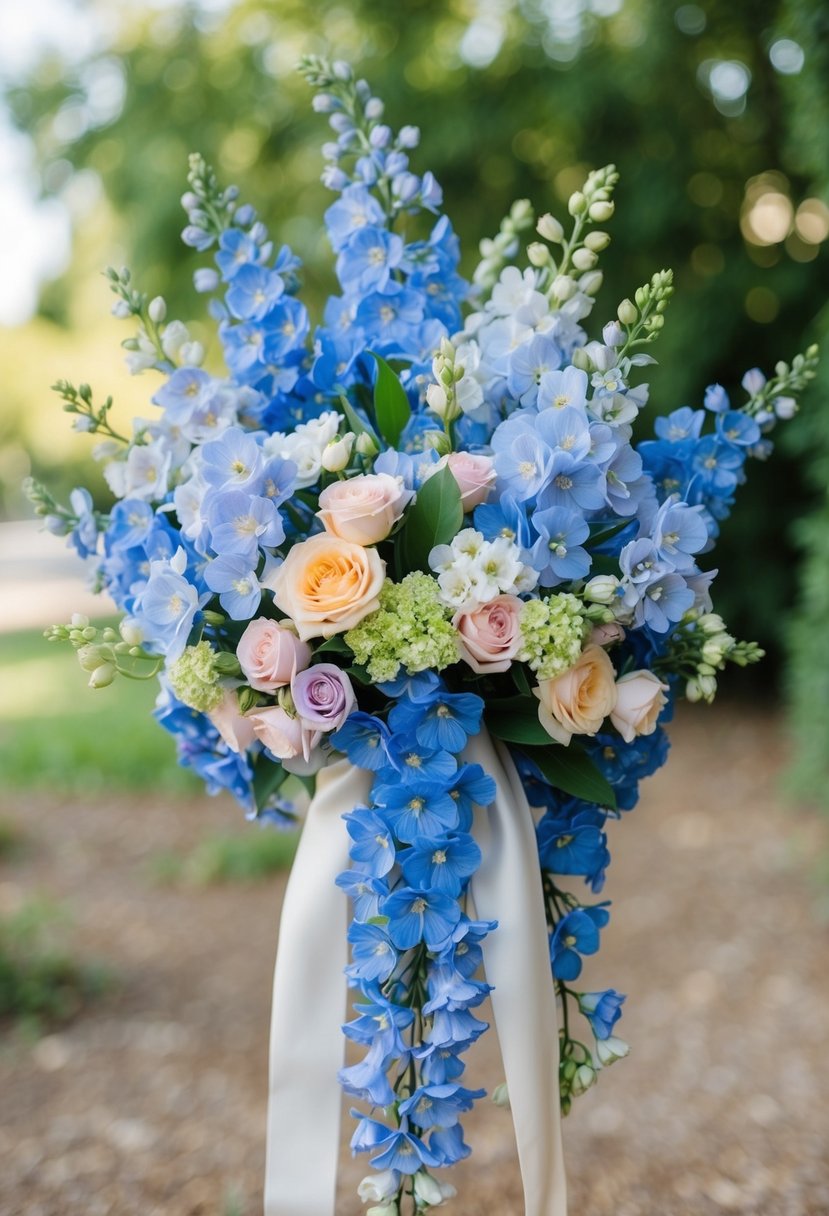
(283,735)
(490,636)
(270,654)
(327,585)
(640,696)
(363,509)
(578,701)
(323,696)
(475,476)
(236,729)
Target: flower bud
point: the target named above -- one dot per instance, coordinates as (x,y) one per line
(89,656)
(693,692)
(538,254)
(712,653)
(591,282)
(157,310)
(581,359)
(102,676)
(584,1078)
(438,440)
(613,334)
(382,1185)
(597,241)
(711,622)
(611,1049)
(131,632)
(577,203)
(337,453)
(603,589)
(584,259)
(564,287)
(785,408)
(708,686)
(366,446)
(601,211)
(549,227)
(627,312)
(192,354)
(500,1096)
(437,399)
(79,620)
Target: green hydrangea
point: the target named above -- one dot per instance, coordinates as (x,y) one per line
(411,629)
(552,632)
(195,677)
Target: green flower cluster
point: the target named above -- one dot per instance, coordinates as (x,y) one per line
(552,633)
(195,677)
(411,629)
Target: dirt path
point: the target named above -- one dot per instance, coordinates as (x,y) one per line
(153,1102)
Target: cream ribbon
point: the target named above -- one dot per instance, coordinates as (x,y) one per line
(307,1045)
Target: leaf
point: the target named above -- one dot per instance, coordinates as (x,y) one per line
(333,645)
(519,675)
(268,776)
(515,720)
(434,519)
(571,770)
(355,422)
(391,405)
(360,674)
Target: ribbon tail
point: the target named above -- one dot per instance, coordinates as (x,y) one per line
(306,1043)
(507,888)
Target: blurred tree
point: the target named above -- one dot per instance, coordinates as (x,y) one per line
(515,98)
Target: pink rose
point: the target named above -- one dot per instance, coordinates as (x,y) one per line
(283,735)
(607,634)
(363,509)
(578,701)
(490,636)
(270,654)
(475,476)
(640,696)
(236,730)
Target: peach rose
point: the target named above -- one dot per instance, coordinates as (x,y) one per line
(283,735)
(640,696)
(578,701)
(271,654)
(475,476)
(490,636)
(363,509)
(236,730)
(327,585)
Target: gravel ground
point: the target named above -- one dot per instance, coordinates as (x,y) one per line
(153,1101)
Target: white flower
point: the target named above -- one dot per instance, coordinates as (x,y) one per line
(175,336)
(146,471)
(611,1049)
(321,430)
(378,1186)
(188,498)
(429,1192)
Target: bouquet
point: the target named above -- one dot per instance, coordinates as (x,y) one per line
(412,558)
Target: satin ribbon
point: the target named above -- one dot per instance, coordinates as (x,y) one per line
(307,1045)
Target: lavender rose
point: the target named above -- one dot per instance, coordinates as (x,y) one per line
(323,696)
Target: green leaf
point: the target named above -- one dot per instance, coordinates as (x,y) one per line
(355,422)
(435,519)
(391,405)
(267,779)
(515,720)
(334,645)
(571,770)
(599,533)
(358,673)
(519,675)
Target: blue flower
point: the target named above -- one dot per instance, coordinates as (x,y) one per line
(367,259)
(682,424)
(368,1079)
(439,1105)
(578,484)
(424,808)
(166,608)
(442,863)
(233,461)
(416,762)
(528,365)
(557,555)
(183,393)
(84,535)
(716,399)
(439,1064)
(364,739)
(450,988)
(372,844)
(365,892)
(253,292)
(285,327)
(355,209)
(403,1151)
(575,934)
(602,1010)
(506,518)
(737,428)
(572,848)
(563,388)
(130,523)
(472,787)
(240,523)
(234,578)
(374,957)
(447,1143)
(416,916)
(678,532)
(236,249)
(449,720)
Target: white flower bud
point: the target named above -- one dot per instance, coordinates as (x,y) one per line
(131,632)
(584,259)
(603,589)
(175,335)
(102,676)
(337,453)
(785,408)
(438,440)
(564,287)
(693,692)
(597,241)
(429,1192)
(157,310)
(538,254)
(366,446)
(121,309)
(549,227)
(79,620)
(584,1078)
(89,657)
(192,354)
(627,312)
(384,1209)
(437,399)
(577,203)
(711,622)
(591,283)
(500,1096)
(382,1185)
(611,1049)
(712,653)
(707,686)
(601,211)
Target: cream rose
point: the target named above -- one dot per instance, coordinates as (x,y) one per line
(282,734)
(363,509)
(327,585)
(490,636)
(640,696)
(236,729)
(474,474)
(271,654)
(578,701)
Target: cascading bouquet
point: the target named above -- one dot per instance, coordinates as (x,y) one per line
(422,539)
